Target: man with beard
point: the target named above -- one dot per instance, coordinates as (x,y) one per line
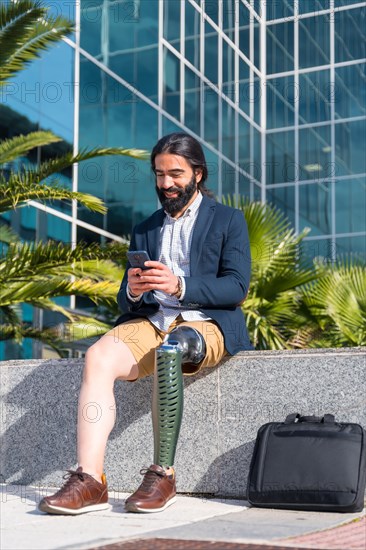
(190,290)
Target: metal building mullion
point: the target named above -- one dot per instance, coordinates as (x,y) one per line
(236,101)
(75,167)
(317,68)
(296,118)
(181,64)
(202,70)
(263,98)
(205,17)
(327,11)
(332,132)
(160,67)
(219,85)
(316,124)
(251,104)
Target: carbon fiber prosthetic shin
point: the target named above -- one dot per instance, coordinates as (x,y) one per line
(167,405)
(183,345)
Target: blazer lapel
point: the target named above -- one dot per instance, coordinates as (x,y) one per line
(204,219)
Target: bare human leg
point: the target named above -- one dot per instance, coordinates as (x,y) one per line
(107,360)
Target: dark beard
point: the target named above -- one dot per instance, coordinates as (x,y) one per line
(175,205)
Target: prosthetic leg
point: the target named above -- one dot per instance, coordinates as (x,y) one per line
(158,488)
(182,346)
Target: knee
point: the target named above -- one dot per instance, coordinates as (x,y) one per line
(96,362)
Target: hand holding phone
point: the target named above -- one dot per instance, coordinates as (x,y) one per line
(137,258)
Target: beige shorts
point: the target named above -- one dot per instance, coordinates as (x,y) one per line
(142,337)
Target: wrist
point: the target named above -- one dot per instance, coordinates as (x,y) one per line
(178,289)
(131,296)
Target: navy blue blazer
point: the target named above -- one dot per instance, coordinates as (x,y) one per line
(219,267)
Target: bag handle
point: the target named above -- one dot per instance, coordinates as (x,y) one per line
(296,417)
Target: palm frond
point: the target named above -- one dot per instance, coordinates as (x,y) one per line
(18,146)
(39,292)
(53,166)
(30,260)
(7,235)
(17,191)
(25,31)
(337,303)
(83,327)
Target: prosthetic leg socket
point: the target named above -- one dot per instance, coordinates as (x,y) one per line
(190,341)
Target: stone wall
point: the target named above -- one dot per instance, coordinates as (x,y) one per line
(223,409)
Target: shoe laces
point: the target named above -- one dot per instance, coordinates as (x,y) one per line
(150,478)
(71,477)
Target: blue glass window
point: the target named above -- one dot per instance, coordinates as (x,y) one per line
(228,131)
(172,22)
(228,70)
(192,105)
(350,197)
(228,176)
(171,99)
(281,95)
(212,10)
(244,29)
(280,165)
(113,116)
(211,114)
(280,47)
(310,6)
(211,53)
(314,46)
(350,34)
(244,143)
(192,35)
(315,207)
(284,199)
(350,147)
(350,91)
(244,185)
(315,153)
(354,245)
(315,96)
(228,18)
(244,87)
(279,10)
(318,248)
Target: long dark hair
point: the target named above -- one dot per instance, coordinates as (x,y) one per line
(185,146)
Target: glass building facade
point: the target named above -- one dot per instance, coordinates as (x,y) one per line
(275,90)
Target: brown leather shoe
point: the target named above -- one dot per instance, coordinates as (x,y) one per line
(81,493)
(156,492)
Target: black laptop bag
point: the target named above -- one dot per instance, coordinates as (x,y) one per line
(309,463)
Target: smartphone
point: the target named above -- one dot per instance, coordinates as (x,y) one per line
(137,258)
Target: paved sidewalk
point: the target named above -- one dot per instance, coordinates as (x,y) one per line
(190,524)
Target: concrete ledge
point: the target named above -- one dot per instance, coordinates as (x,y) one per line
(224,407)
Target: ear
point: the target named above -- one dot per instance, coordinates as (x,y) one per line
(198,174)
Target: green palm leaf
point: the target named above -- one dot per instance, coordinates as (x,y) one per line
(25,260)
(337,303)
(57,165)
(271,307)
(18,146)
(16,192)
(25,31)
(7,235)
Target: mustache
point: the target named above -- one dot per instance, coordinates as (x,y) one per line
(172,190)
